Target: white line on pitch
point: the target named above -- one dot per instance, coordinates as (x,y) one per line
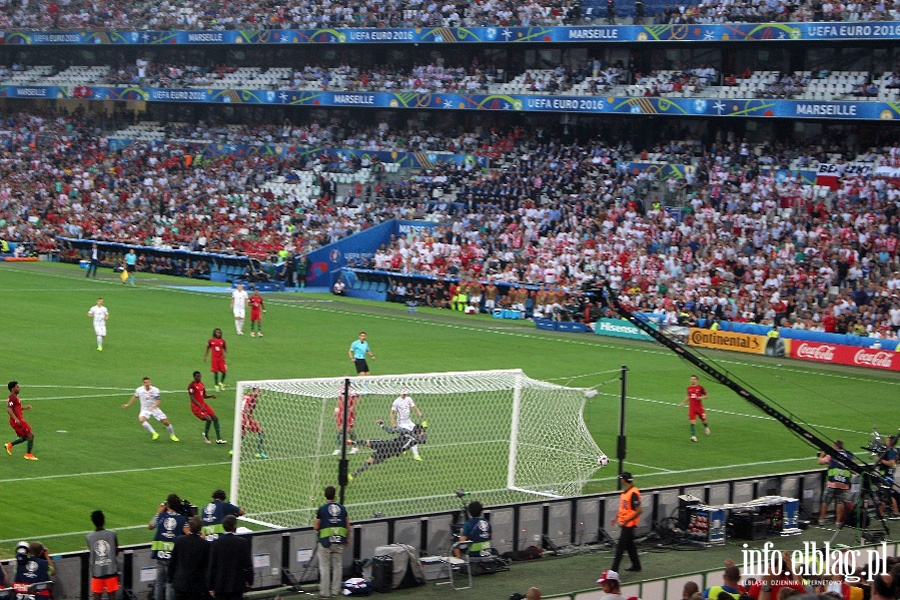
(103,473)
(688,471)
(650,467)
(731,412)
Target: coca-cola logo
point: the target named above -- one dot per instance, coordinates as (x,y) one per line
(817,352)
(880,359)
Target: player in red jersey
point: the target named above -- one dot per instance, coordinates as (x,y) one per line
(257,307)
(216,346)
(202,410)
(695,396)
(249,422)
(352,405)
(20,426)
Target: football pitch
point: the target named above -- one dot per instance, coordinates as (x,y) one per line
(94,454)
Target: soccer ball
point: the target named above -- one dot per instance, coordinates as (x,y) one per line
(603,460)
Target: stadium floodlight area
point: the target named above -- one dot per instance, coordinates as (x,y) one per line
(500,435)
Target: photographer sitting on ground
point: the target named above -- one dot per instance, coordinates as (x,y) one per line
(477,530)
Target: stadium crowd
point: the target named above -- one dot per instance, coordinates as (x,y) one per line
(746,245)
(167,15)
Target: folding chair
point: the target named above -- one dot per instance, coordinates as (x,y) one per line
(456,563)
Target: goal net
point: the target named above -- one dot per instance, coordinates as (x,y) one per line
(500,435)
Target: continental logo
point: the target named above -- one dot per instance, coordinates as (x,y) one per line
(726,340)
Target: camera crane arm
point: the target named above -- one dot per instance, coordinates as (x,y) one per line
(728,382)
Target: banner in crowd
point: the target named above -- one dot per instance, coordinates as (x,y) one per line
(829,174)
(838,354)
(709,107)
(711,32)
(415,160)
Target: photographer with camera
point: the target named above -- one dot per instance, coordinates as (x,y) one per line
(215,512)
(34,568)
(170,522)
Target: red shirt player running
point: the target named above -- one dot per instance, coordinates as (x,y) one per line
(216,346)
(257,307)
(695,396)
(352,404)
(23,430)
(202,410)
(249,422)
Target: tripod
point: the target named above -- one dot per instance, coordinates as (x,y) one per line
(867,498)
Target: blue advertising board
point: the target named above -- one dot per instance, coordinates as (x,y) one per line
(731,32)
(696,107)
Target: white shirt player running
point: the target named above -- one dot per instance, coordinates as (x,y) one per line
(402,408)
(100,314)
(149,399)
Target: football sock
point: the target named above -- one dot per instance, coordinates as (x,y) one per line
(146,425)
(206,429)
(222,379)
(259,442)
(99,341)
(19,441)
(216,378)
(415,451)
(362,468)
(693,429)
(29,446)
(170,430)
(216,425)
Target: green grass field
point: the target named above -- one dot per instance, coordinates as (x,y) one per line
(93,454)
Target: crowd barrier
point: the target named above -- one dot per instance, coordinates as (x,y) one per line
(565,521)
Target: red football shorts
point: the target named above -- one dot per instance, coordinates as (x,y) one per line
(218,365)
(105,584)
(201,412)
(696,410)
(22,429)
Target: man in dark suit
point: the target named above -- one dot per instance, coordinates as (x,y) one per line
(187,567)
(230,571)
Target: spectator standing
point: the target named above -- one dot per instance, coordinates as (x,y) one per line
(103,545)
(333,526)
(187,567)
(230,571)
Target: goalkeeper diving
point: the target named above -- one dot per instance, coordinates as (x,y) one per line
(389,448)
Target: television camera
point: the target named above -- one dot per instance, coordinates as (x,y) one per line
(185,508)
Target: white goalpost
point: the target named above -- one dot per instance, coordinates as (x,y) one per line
(500,435)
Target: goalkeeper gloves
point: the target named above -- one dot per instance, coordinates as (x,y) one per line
(425,424)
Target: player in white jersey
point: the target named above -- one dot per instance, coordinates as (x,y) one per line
(150,400)
(100,314)
(239,300)
(401,416)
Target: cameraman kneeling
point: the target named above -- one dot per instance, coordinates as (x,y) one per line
(478,531)
(169,523)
